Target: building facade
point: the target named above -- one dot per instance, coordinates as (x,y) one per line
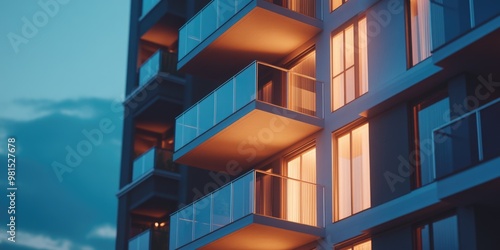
(312,124)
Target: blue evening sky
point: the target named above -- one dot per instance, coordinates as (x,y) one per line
(62,77)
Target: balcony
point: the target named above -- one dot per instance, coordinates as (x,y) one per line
(161,63)
(467,141)
(152,159)
(158,83)
(255,114)
(155,180)
(464,29)
(149,240)
(252,29)
(258,209)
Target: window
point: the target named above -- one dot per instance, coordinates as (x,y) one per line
(302,90)
(428,115)
(336,3)
(366,245)
(349,64)
(419,35)
(301,204)
(437,235)
(352,173)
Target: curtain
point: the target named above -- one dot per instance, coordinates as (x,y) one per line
(420,30)
(302,93)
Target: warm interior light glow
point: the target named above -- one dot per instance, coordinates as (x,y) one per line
(301,204)
(353,172)
(162,224)
(156,224)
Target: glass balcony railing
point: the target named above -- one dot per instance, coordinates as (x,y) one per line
(468,140)
(154,158)
(159,62)
(149,240)
(218,12)
(148,5)
(452,18)
(256,192)
(141,241)
(258,81)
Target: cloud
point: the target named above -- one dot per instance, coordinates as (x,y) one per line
(103,232)
(43,242)
(32,109)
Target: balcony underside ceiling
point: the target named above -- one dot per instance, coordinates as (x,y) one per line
(479,56)
(257,236)
(259,35)
(246,141)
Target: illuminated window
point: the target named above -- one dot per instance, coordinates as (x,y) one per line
(349,64)
(438,235)
(366,245)
(420,34)
(302,92)
(336,3)
(301,204)
(352,172)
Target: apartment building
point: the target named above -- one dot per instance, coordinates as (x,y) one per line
(312,124)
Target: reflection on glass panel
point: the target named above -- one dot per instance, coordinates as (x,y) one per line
(243,198)
(207,113)
(245,84)
(430,118)
(445,234)
(202,211)
(143,164)
(140,242)
(449,18)
(190,124)
(221,207)
(208,20)
(455,146)
(224,101)
(185,226)
(193,33)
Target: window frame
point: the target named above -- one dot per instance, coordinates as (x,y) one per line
(354,243)
(332,8)
(417,237)
(354,22)
(409,36)
(335,166)
(420,104)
